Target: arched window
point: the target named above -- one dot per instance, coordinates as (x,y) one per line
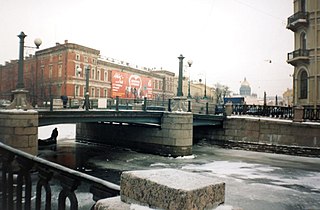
(303,41)
(303,85)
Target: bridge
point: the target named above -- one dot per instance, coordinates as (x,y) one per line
(132,117)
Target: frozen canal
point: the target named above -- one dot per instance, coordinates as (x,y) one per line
(253,180)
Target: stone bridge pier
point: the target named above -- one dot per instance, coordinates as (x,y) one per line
(19,129)
(172,138)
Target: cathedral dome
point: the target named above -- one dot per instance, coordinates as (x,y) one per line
(245,89)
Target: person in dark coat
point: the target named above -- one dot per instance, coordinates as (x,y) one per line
(54,134)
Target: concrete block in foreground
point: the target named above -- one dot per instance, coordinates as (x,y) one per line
(171,189)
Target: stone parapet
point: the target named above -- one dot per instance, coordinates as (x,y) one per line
(19,129)
(166,189)
(262,131)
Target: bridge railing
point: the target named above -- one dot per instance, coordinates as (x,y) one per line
(261,110)
(309,113)
(20,170)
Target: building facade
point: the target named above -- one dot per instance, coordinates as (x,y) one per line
(60,71)
(305,57)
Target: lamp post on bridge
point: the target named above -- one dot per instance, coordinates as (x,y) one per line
(20,94)
(179,91)
(87,88)
(180,100)
(86,94)
(189,63)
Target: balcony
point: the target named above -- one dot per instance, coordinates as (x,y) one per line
(298,56)
(297,20)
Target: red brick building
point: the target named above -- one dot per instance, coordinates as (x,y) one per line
(60,71)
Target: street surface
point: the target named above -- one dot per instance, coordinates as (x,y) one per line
(254,180)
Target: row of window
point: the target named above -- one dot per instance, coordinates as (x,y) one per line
(94,92)
(93,73)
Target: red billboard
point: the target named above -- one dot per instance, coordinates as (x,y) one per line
(126,85)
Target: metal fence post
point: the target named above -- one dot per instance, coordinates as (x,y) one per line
(207,108)
(169,105)
(145,104)
(189,106)
(117,103)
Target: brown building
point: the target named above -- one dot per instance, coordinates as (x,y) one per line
(60,71)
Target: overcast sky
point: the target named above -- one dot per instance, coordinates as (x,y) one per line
(226,39)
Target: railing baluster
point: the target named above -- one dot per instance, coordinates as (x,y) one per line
(44,178)
(69,185)
(69,179)
(24,181)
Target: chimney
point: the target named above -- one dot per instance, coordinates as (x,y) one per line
(57,43)
(66,41)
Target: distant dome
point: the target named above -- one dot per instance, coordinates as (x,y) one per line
(245,89)
(245,83)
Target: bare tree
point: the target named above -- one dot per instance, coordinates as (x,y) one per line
(222,91)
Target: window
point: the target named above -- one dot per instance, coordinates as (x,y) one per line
(303,85)
(77,73)
(105,93)
(84,91)
(303,41)
(98,93)
(60,57)
(98,74)
(50,71)
(105,77)
(77,90)
(77,57)
(59,70)
(303,5)
(85,58)
(93,73)
(92,92)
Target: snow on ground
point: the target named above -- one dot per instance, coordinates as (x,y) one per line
(66,131)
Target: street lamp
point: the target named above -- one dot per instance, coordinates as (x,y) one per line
(179,91)
(205,87)
(86,95)
(20,94)
(189,63)
(37,42)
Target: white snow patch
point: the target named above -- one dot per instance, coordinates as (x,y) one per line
(187,157)
(66,131)
(18,111)
(159,165)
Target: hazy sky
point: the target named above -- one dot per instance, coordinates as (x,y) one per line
(226,39)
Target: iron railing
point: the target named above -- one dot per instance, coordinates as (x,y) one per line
(298,53)
(261,110)
(20,170)
(297,19)
(311,114)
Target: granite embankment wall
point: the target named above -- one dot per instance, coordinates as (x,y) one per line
(263,134)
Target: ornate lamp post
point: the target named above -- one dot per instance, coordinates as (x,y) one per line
(179,92)
(86,95)
(87,88)
(20,98)
(189,63)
